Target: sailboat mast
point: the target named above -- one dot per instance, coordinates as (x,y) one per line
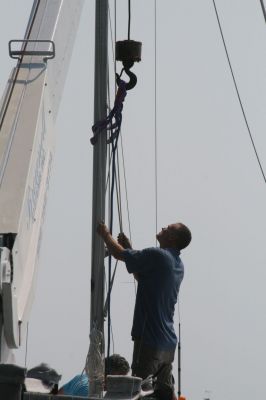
(99,169)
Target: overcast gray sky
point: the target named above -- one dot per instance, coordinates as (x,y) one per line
(208,178)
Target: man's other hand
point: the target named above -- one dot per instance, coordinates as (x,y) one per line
(124,241)
(102,230)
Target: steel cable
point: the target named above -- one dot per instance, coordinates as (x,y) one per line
(263,9)
(238,94)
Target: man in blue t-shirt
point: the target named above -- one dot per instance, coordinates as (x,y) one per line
(79,385)
(159,272)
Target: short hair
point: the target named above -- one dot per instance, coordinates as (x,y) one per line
(183,236)
(116,364)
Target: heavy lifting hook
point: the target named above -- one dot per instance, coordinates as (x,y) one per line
(132,77)
(128,51)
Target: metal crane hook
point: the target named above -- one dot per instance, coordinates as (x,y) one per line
(132,77)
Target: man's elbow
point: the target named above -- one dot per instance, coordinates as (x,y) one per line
(118,255)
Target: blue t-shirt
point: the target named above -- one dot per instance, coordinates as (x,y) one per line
(160,272)
(78,386)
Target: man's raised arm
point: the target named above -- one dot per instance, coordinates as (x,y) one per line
(112,245)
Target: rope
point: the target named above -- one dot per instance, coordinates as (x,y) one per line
(238,95)
(94,365)
(114,119)
(155,120)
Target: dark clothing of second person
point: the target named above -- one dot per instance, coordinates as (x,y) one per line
(147,361)
(160,272)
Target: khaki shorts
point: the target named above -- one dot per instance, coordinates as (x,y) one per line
(147,361)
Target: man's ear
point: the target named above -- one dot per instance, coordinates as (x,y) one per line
(171,235)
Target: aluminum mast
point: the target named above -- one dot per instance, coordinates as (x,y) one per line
(96,355)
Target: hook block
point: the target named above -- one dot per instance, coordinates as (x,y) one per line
(128,51)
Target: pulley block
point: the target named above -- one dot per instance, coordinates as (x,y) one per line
(128,51)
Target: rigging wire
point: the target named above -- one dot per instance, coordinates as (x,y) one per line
(263,9)
(113,181)
(105,313)
(238,94)
(179,350)
(108,169)
(113,173)
(129,19)
(127,201)
(115,14)
(121,148)
(112,40)
(117,186)
(113,342)
(118,194)
(107,183)
(126,190)
(155,121)
(178,310)
(121,139)
(110,211)
(115,34)
(113,176)
(108,187)
(117,183)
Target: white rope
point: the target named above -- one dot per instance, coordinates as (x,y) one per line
(94,365)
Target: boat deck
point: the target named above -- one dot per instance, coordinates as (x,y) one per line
(41,396)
